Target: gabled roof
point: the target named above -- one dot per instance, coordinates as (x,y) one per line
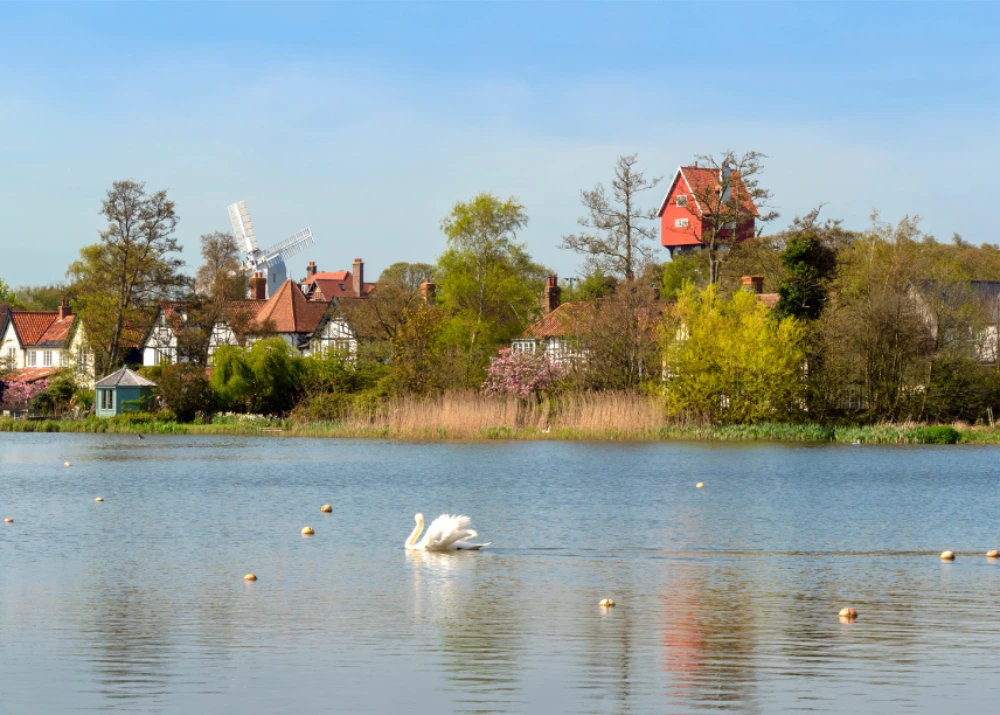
(245,308)
(125,377)
(31,374)
(32,324)
(701,180)
(328,285)
(568,320)
(57,334)
(289,311)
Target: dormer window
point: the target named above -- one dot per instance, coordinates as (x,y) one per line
(682,200)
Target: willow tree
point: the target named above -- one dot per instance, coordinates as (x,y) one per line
(118,280)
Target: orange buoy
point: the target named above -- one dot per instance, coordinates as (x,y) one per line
(250,577)
(992,554)
(8,520)
(308,531)
(326,509)
(607,603)
(848,613)
(947,555)
(99,499)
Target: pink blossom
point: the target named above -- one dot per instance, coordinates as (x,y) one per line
(16,394)
(521,374)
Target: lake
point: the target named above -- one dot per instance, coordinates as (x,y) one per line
(727,596)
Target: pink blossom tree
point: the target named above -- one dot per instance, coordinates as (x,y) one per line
(17,394)
(522,375)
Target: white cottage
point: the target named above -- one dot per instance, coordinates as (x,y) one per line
(39,343)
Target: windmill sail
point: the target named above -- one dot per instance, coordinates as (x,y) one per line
(291,245)
(243,227)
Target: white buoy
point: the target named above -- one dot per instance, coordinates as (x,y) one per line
(848,613)
(326,509)
(607,603)
(67,464)
(99,499)
(700,485)
(992,554)
(947,555)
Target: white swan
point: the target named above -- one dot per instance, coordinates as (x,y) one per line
(446,533)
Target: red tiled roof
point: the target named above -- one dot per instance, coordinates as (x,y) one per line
(244,307)
(31,374)
(58,333)
(702,180)
(32,324)
(334,284)
(289,311)
(567,320)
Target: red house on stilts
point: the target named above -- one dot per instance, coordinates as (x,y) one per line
(684,215)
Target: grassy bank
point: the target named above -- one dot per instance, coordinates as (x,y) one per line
(469,416)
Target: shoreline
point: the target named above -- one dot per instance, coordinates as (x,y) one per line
(774,432)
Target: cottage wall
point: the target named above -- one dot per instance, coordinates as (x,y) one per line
(672,234)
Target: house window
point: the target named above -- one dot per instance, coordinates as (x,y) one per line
(63,358)
(12,358)
(681,223)
(107,400)
(47,358)
(32,358)
(682,200)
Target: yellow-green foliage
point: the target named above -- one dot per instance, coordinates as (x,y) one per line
(729,360)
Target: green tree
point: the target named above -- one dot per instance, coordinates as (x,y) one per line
(809,265)
(7,293)
(267,378)
(41,297)
(220,278)
(487,282)
(619,237)
(184,388)
(118,281)
(684,268)
(729,360)
(407,275)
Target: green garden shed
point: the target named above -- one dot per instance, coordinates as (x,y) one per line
(122,391)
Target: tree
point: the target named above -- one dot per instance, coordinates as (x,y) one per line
(118,281)
(618,239)
(729,360)
(407,275)
(418,357)
(487,283)
(618,340)
(683,268)
(220,278)
(7,293)
(184,388)
(264,379)
(730,203)
(809,265)
(41,297)
(522,375)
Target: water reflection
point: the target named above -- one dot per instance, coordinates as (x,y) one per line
(727,597)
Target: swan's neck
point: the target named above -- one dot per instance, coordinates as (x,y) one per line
(412,541)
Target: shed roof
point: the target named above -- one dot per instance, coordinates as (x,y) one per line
(125,377)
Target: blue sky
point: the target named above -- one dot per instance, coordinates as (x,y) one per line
(366,122)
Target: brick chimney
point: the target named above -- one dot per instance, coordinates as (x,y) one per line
(428,291)
(64,310)
(754,284)
(258,286)
(358,278)
(552,294)
(311,269)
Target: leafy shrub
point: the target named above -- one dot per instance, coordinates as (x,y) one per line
(185,390)
(938,434)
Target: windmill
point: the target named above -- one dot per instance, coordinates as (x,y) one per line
(270,262)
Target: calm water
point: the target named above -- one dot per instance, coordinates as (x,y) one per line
(727,596)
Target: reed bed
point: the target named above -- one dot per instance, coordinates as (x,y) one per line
(473,416)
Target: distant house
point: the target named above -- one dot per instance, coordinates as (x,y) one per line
(162,343)
(328,285)
(982,297)
(684,219)
(45,342)
(557,335)
(122,391)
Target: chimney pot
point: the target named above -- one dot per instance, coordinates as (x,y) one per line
(552,294)
(358,278)
(311,269)
(258,286)
(64,309)
(754,284)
